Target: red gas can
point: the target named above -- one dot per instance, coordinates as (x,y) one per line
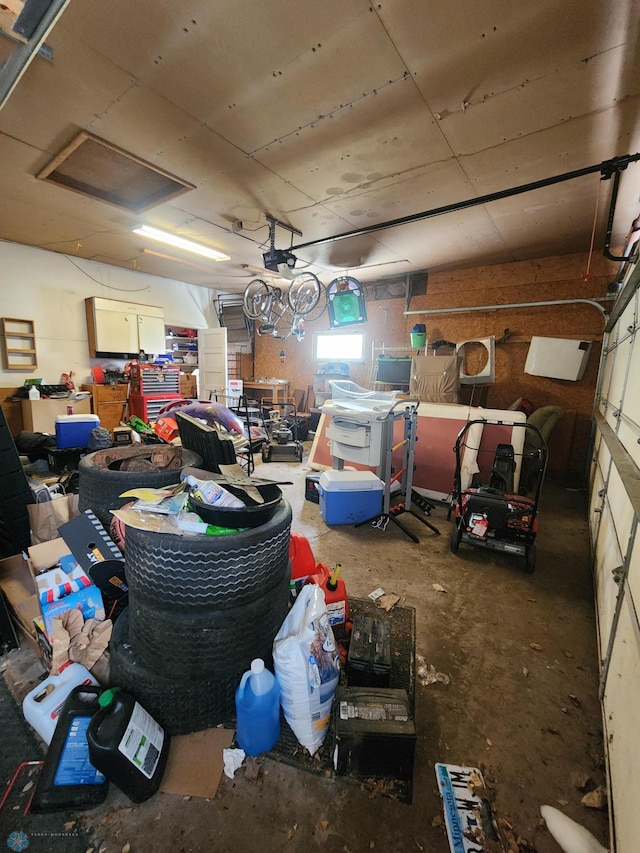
(303,563)
(335,595)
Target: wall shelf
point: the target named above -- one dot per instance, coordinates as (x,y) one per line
(180,346)
(19,344)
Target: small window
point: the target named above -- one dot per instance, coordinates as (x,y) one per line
(338,346)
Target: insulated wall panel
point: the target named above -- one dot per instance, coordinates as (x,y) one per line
(621,701)
(608,558)
(615,490)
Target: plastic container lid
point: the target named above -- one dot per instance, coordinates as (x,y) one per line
(345,389)
(107,697)
(350,481)
(77,419)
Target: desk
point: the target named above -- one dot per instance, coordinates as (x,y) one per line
(40,415)
(273,390)
(109,403)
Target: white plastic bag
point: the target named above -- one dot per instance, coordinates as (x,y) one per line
(307,666)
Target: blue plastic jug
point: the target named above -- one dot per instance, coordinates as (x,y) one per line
(257,710)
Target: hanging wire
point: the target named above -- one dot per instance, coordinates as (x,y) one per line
(586,276)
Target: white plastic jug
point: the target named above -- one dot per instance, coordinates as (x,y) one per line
(42,705)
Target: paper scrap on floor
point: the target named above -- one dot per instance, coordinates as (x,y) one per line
(195,763)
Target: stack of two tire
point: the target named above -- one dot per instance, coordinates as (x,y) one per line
(201,608)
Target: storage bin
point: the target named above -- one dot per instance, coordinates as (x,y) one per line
(74,430)
(349,497)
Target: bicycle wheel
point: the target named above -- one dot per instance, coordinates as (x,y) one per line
(304,293)
(256,302)
(320,308)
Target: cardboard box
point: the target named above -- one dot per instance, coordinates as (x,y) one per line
(46,650)
(18,586)
(87,600)
(47,554)
(18,583)
(435,378)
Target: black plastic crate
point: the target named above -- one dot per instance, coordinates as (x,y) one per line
(64,460)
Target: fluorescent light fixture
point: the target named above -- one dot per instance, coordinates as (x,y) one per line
(180,243)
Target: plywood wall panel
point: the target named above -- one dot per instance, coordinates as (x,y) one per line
(556,278)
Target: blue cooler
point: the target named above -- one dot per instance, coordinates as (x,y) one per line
(74,430)
(349,497)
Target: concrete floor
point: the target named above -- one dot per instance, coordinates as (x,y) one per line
(528,716)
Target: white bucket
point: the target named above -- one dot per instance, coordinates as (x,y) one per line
(42,705)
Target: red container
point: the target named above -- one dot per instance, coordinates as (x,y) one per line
(303,563)
(335,595)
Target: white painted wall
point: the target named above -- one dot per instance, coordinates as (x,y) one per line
(50,288)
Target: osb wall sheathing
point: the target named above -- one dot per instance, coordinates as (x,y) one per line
(556,278)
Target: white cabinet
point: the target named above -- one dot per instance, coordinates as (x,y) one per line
(151,332)
(123,328)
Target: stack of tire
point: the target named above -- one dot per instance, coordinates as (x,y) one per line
(99,488)
(201,608)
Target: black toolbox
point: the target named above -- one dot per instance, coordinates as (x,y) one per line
(369,659)
(374,733)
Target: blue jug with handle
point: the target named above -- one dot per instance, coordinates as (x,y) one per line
(257,710)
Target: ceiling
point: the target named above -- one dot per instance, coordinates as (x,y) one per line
(330,116)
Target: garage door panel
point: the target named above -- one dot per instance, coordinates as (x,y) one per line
(631,401)
(608,558)
(628,318)
(634,573)
(595,502)
(606,379)
(618,377)
(628,435)
(620,508)
(621,703)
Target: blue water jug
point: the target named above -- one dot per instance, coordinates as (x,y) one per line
(257,710)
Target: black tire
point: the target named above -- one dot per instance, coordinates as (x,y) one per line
(530,559)
(210,643)
(179,706)
(456,536)
(100,488)
(183,573)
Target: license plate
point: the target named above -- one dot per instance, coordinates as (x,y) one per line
(462,808)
